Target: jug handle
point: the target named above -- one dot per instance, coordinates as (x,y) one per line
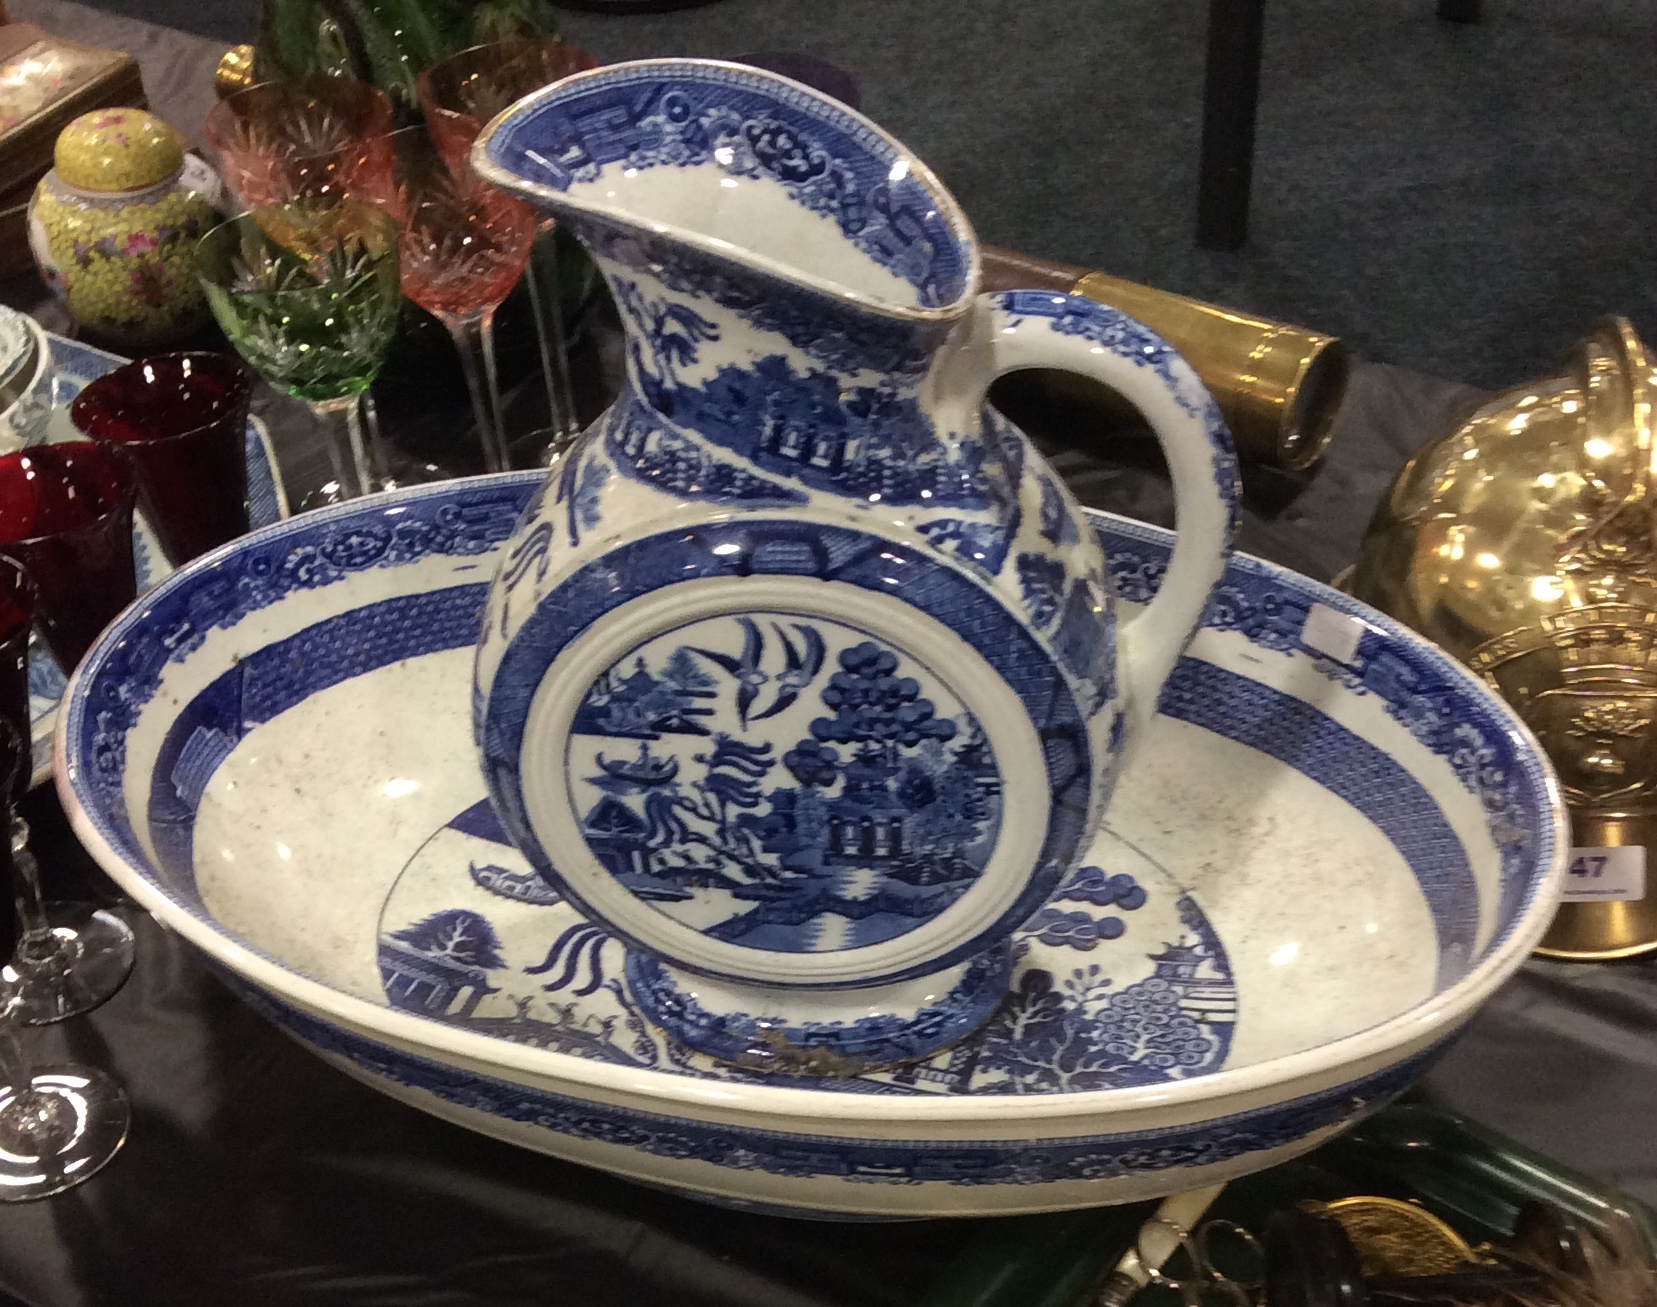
(1045,329)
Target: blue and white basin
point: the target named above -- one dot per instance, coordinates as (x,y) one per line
(1333,845)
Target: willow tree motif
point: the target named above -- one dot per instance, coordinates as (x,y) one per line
(456,936)
(876,710)
(875,820)
(732,781)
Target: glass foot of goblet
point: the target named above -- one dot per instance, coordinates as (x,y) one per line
(60,1128)
(84,958)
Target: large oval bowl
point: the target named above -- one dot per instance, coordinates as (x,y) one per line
(1331,846)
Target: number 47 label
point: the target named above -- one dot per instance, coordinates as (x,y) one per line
(1606,875)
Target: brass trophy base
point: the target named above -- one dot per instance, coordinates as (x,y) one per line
(1603,932)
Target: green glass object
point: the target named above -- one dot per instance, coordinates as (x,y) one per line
(1468,1175)
(1475,1178)
(308,294)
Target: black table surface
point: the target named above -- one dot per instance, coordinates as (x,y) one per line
(255,1174)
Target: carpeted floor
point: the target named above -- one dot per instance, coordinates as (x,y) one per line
(1459,200)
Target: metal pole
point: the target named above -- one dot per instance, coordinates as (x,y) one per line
(1231,93)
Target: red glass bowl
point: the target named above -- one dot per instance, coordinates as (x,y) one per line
(458,95)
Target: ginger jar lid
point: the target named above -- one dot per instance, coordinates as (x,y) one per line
(117,150)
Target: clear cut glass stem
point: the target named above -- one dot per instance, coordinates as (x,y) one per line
(547,303)
(33,1123)
(70,956)
(42,955)
(474,337)
(14,1063)
(352,474)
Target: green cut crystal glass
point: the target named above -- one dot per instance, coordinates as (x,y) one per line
(308,294)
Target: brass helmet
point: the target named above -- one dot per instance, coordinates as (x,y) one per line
(1525,543)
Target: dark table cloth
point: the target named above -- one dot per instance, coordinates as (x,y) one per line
(255,1174)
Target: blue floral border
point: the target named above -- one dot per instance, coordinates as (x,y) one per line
(888,1161)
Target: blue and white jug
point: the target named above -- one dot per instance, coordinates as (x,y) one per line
(803,674)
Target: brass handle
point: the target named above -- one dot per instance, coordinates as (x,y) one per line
(1279,386)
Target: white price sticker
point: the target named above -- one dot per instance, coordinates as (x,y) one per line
(1332,634)
(1606,875)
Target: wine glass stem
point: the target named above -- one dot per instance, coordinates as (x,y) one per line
(474,337)
(31,906)
(14,1063)
(545,300)
(40,953)
(342,434)
(36,1124)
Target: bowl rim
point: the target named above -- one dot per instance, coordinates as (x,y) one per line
(1260,1083)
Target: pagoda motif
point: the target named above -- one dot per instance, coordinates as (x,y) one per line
(1205,994)
(440,966)
(617,836)
(831,800)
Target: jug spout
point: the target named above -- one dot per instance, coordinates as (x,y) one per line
(743,164)
(793,283)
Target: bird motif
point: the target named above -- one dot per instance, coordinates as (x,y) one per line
(746,668)
(801,670)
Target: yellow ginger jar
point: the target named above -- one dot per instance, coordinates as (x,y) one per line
(114,225)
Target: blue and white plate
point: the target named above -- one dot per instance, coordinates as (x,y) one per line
(76,364)
(1332,846)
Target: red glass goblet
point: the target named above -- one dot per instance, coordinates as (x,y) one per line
(66,515)
(462,246)
(458,95)
(318,137)
(182,419)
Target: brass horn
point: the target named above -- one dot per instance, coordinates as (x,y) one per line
(1277,385)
